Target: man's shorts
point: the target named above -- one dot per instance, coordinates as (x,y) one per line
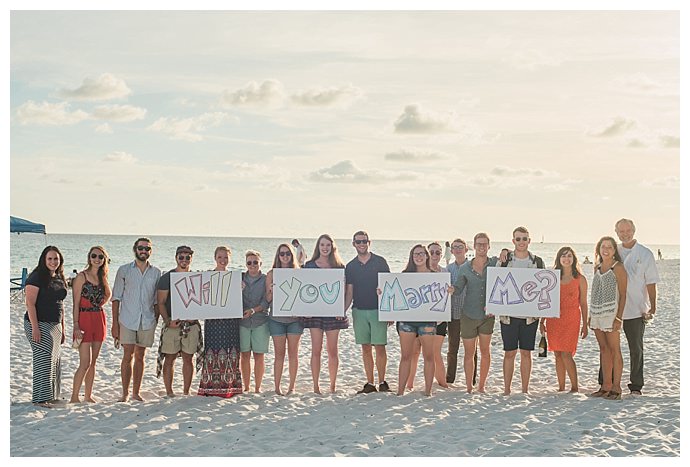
(471,328)
(276,328)
(442,329)
(174,341)
(254,339)
(141,337)
(368,328)
(421,328)
(519,334)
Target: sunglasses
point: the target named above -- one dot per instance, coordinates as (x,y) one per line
(458,247)
(143,248)
(285,253)
(94,256)
(435,253)
(184,257)
(521,239)
(361,242)
(252,263)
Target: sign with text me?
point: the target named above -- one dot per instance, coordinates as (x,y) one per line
(523,292)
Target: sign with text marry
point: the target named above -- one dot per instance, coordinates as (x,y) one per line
(308,292)
(523,292)
(414,296)
(206,294)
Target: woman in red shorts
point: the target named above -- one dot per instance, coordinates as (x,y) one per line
(90,291)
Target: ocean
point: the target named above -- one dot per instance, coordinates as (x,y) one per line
(26,248)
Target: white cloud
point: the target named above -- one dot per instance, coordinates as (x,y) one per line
(532,59)
(413,120)
(103,129)
(104,87)
(619,126)
(118,113)
(247,168)
(46,113)
(268,93)
(190,129)
(347,172)
(509,177)
(671,181)
(414,155)
(203,188)
(120,156)
(509,172)
(637,82)
(669,141)
(342,96)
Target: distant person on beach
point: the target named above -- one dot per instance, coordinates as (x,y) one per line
(476,325)
(44,324)
(254,333)
(178,336)
(519,332)
(640,303)
(658,253)
(607,302)
(220,367)
(587,260)
(299,251)
(361,279)
(448,254)
(325,256)
(285,330)
(563,332)
(90,291)
(71,277)
(459,248)
(134,317)
(409,331)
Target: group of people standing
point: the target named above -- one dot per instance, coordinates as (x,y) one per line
(623,295)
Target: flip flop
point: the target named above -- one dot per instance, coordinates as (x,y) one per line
(599,393)
(613,396)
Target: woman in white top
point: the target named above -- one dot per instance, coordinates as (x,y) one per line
(607,302)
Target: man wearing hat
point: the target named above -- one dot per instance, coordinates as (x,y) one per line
(178,336)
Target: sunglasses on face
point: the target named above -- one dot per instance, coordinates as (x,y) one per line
(361,242)
(252,263)
(94,256)
(521,239)
(435,253)
(285,253)
(143,248)
(458,247)
(184,257)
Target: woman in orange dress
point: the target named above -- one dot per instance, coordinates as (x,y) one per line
(562,333)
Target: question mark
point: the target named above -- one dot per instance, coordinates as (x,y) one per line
(544,297)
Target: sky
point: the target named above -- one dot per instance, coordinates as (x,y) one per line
(407,124)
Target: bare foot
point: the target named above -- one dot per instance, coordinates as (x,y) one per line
(137,397)
(278,391)
(170,394)
(444,385)
(290,390)
(427,394)
(75,401)
(573,390)
(561,389)
(91,399)
(246,389)
(317,390)
(482,390)
(398,393)
(124,398)
(47,405)
(257,390)
(505,393)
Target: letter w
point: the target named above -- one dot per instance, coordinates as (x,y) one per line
(189,289)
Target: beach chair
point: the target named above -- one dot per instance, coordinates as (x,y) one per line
(18,284)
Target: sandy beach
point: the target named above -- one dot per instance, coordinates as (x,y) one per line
(450,423)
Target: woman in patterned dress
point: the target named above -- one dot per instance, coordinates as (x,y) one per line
(563,332)
(90,290)
(220,365)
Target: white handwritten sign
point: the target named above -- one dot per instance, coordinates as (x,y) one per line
(308,292)
(523,292)
(206,294)
(414,296)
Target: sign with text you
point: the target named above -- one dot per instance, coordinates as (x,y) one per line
(414,296)
(523,292)
(206,294)
(308,292)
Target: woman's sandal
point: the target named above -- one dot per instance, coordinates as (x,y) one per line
(599,393)
(613,396)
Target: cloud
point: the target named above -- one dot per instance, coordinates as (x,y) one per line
(637,82)
(413,120)
(508,177)
(247,168)
(509,172)
(532,59)
(268,93)
(347,172)
(120,156)
(342,96)
(669,141)
(619,126)
(103,129)
(671,181)
(414,155)
(46,113)
(189,129)
(118,113)
(105,87)
(203,188)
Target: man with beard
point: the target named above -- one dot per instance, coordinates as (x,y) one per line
(134,318)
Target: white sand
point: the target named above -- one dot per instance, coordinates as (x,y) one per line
(451,423)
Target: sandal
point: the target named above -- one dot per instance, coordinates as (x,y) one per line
(599,393)
(613,396)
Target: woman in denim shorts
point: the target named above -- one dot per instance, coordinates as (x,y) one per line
(284,330)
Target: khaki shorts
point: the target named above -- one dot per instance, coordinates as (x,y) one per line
(141,337)
(471,328)
(174,342)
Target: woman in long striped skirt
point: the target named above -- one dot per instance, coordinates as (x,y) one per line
(44,324)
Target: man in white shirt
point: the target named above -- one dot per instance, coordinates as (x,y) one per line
(301,256)
(640,303)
